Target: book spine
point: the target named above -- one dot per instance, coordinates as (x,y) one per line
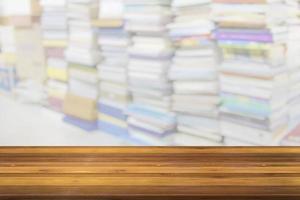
(244,37)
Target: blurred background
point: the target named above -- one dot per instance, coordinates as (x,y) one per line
(150,72)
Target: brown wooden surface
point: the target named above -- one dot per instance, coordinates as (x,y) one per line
(149,173)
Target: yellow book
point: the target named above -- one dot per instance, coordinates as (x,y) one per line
(80,107)
(55,43)
(8,58)
(121,98)
(112,120)
(58,74)
(82,67)
(108,23)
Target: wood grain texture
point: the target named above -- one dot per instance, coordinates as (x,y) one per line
(149,173)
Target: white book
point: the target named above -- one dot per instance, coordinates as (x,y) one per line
(147,77)
(144,28)
(195,61)
(153,70)
(183,3)
(148,3)
(252,69)
(150,50)
(83,75)
(199,132)
(191,73)
(204,23)
(267,9)
(156,102)
(55,35)
(150,17)
(254,91)
(111,9)
(51,3)
(116,41)
(57,62)
(196,87)
(138,123)
(151,65)
(252,135)
(83,1)
(278,81)
(148,92)
(205,124)
(58,85)
(83,12)
(82,56)
(150,40)
(196,53)
(203,110)
(114,77)
(148,139)
(115,88)
(197,99)
(83,89)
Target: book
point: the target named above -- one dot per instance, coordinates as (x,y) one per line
(194,74)
(150,53)
(113,41)
(83,124)
(82,56)
(293,63)
(80,107)
(54,35)
(254,76)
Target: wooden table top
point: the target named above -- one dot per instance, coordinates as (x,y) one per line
(149,173)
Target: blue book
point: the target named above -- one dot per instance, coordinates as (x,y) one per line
(156,134)
(83,124)
(119,31)
(112,111)
(163,117)
(8,78)
(119,132)
(111,128)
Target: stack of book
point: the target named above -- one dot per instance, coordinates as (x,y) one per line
(18,13)
(254,77)
(7,59)
(21,57)
(114,95)
(29,62)
(194,73)
(54,26)
(150,55)
(7,52)
(293,61)
(30,66)
(83,56)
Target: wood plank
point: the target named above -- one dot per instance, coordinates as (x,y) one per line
(150,150)
(148,170)
(149,173)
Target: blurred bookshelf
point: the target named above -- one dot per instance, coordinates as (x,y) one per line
(159,72)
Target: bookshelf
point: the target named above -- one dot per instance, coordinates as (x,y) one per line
(167,72)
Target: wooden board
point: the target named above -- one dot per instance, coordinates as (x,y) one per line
(149,173)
